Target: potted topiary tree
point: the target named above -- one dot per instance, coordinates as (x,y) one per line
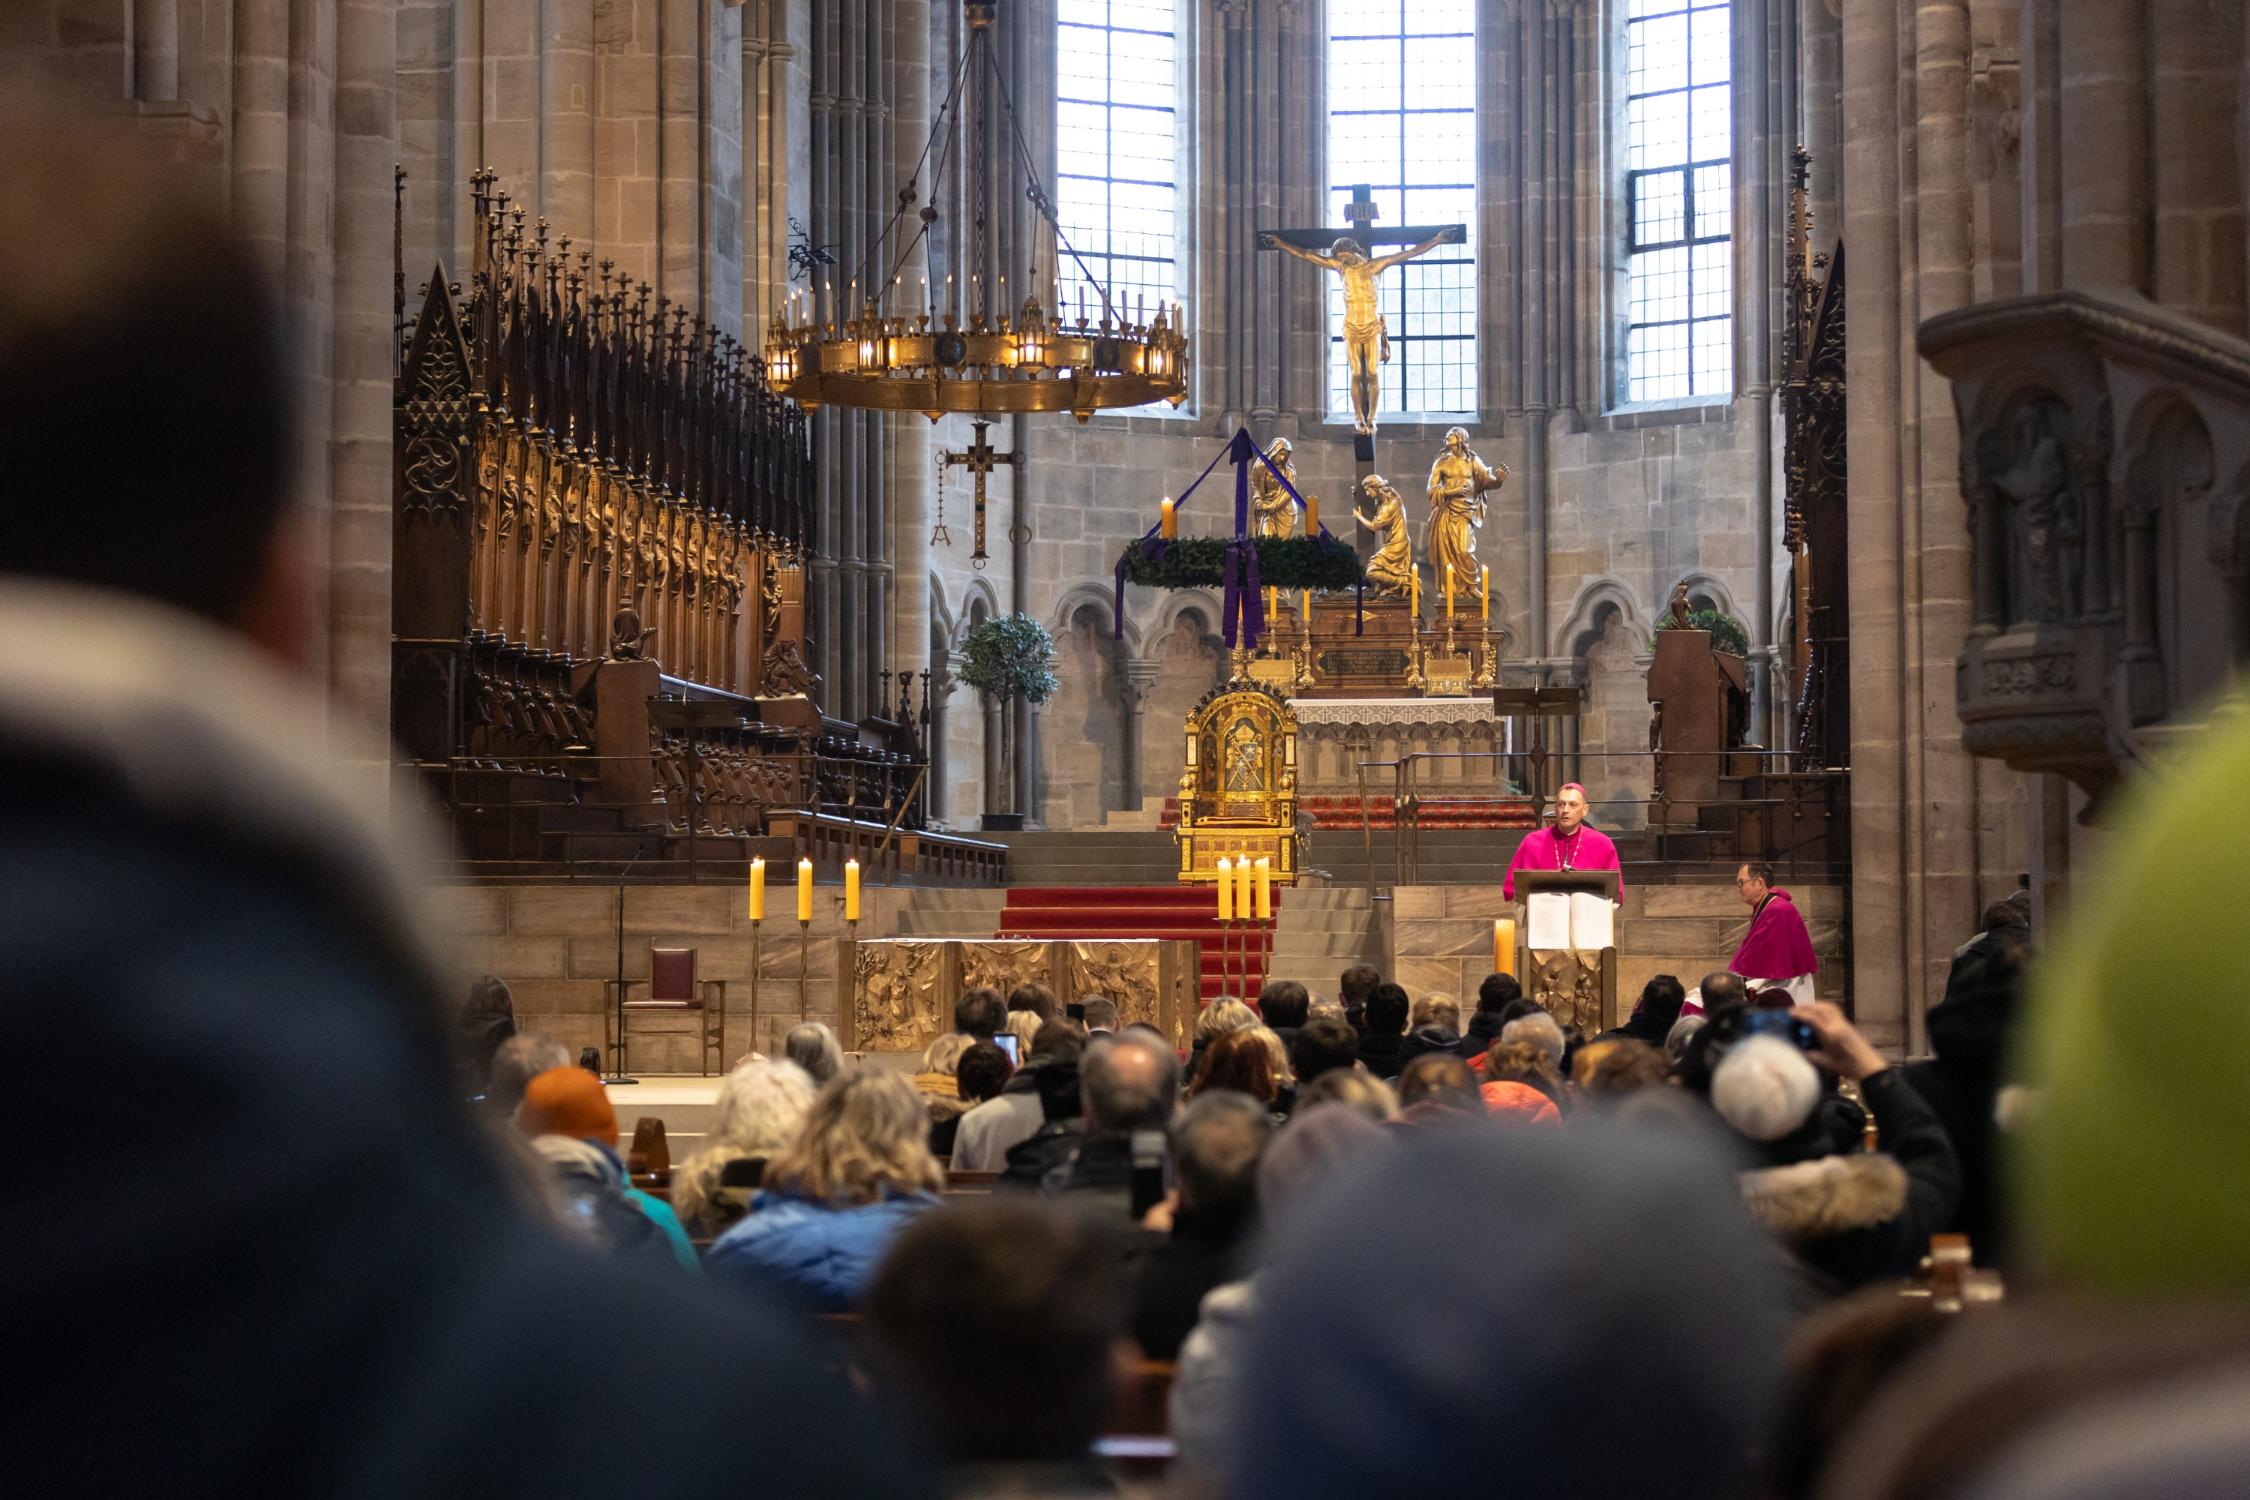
(1011,658)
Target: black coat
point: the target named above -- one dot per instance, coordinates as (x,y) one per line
(1171,1273)
(1383,1053)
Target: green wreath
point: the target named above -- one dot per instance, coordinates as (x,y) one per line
(1200,562)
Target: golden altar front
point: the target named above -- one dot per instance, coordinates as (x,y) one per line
(903,989)
(1238,793)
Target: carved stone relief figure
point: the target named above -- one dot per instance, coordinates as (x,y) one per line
(2045,535)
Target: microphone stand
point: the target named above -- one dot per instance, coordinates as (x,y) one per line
(617,993)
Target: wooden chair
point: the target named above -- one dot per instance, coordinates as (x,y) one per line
(672,986)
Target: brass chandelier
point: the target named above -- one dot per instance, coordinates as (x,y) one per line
(952,348)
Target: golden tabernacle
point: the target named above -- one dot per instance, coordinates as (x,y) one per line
(903,989)
(1238,794)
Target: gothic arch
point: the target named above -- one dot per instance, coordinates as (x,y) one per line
(1102,598)
(978,593)
(1593,595)
(1178,602)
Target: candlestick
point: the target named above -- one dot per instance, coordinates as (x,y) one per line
(1265,889)
(1226,889)
(1168,520)
(804,948)
(851,890)
(804,890)
(758,889)
(1504,945)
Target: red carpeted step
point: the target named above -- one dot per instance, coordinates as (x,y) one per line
(1179,912)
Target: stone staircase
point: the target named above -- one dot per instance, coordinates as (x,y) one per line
(1322,930)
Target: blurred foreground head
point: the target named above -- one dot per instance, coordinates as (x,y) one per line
(2132,1179)
(1632,1285)
(143,398)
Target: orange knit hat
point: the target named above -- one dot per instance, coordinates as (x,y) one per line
(568,1101)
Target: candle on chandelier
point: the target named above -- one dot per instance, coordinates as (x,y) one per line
(804,890)
(1226,889)
(1484,594)
(851,890)
(757,890)
(1265,888)
(1312,515)
(1168,519)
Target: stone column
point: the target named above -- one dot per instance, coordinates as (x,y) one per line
(156,50)
(1138,681)
(2196,183)
(2104,132)
(2041,49)
(566,118)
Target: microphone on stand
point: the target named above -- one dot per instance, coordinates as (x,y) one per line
(618,994)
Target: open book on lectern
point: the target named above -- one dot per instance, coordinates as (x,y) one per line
(1559,920)
(1568,910)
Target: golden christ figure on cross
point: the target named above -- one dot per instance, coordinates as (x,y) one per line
(1367,339)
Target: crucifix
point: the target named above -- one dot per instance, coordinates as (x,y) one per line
(1367,340)
(980,460)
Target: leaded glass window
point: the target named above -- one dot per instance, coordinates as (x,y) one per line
(1679,184)
(1116,145)
(1402,120)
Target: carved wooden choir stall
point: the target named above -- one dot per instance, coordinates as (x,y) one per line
(599,549)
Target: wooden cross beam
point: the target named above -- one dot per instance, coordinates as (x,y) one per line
(1360,213)
(980,460)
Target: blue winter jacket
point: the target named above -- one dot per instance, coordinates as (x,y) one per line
(825,1256)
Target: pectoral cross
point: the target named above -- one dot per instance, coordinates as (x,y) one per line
(980,461)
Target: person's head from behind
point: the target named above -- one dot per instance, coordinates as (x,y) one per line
(981,1073)
(1683,1031)
(1539,1032)
(1239,1061)
(1660,1002)
(865,1138)
(1353,1088)
(1216,1144)
(1034,997)
(488,1000)
(144,396)
(1055,1042)
(1023,1025)
(567,1101)
(1129,1083)
(1322,1045)
(2010,916)
(515,1063)
(1100,1012)
(1440,1010)
(1353,987)
(1687,1341)
(1388,1009)
(1221,1016)
(979,1013)
(813,1047)
(1326,1010)
(1284,1002)
(942,1056)
(1518,1008)
(1440,1082)
(1722,988)
(761,1106)
(1521,1062)
(1607,1073)
(996,1326)
(1497,993)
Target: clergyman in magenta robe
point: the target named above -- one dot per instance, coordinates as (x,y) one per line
(1777,950)
(1565,844)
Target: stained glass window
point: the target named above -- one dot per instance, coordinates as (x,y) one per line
(1116,144)
(1402,121)
(1679,182)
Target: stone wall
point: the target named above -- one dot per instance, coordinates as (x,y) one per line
(557,947)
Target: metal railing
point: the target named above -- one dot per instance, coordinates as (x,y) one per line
(1805,792)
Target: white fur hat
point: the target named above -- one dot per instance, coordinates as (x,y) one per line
(1765,1088)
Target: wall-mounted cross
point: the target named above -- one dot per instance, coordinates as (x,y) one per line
(979,460)
(1360,213)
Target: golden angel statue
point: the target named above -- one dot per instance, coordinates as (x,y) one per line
(1367,339)
(1391,569)
(1458,480)
(1276,512)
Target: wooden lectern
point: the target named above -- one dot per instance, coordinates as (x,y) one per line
(1577,985)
